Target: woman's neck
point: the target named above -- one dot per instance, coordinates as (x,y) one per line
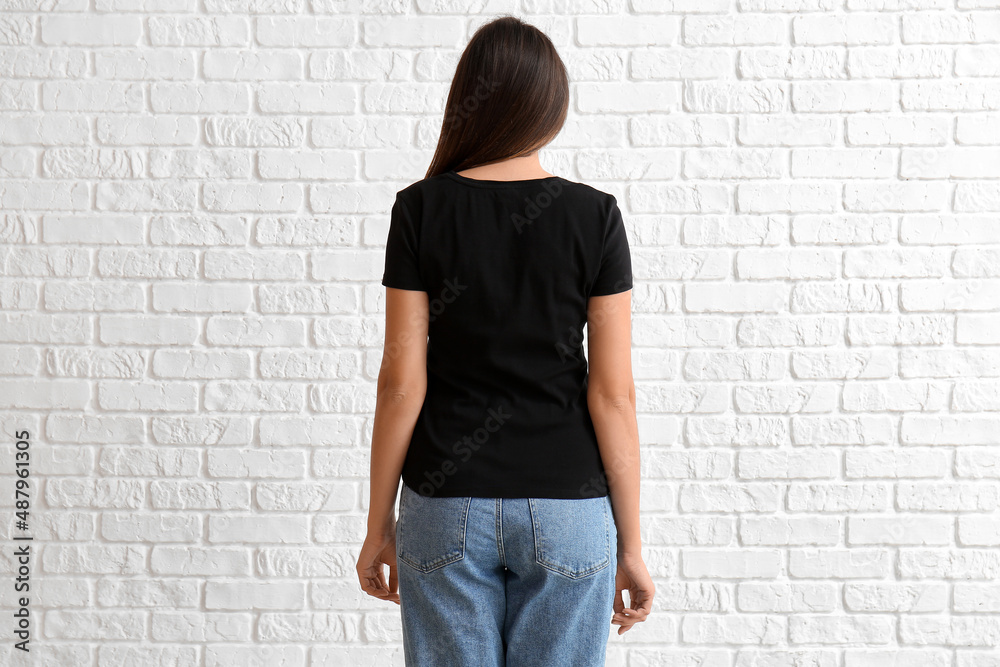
(511,169)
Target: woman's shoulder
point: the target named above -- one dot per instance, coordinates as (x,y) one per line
(445,181)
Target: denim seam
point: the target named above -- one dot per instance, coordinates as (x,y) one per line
(499,518)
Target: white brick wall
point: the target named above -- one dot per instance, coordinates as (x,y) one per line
(193,202)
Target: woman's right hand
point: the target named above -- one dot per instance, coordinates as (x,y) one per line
(632,575)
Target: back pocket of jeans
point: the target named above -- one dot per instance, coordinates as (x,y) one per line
(431,530)
(572,535)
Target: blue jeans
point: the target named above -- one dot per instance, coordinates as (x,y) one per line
(505,582)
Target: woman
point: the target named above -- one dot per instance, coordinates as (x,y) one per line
(518,523)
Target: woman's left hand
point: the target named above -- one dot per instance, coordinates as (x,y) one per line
(379,549)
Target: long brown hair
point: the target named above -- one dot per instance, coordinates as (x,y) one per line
(509,97)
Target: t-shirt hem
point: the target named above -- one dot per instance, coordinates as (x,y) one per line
(611,291)
(480,491)
(406,286)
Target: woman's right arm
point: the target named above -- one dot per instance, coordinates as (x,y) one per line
(611,400)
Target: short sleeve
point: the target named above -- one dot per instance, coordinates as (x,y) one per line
(615,273)
(402,265)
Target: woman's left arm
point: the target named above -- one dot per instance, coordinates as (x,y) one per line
(402,385)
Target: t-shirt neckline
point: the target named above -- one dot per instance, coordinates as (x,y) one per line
(487,183)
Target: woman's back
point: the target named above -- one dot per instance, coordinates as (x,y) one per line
(519,511)
(508,267)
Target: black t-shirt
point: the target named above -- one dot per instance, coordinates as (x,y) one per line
(508,267)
